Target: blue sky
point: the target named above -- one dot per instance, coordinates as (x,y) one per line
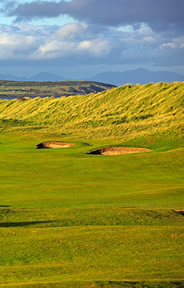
(80,38)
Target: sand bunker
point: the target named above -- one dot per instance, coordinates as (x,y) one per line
(179,211)
(54,144)
(119,150)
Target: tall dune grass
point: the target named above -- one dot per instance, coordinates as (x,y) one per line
(134,111)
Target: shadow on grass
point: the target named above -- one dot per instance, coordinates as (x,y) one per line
(132,284)
(23,224)
(5,206)
(105,284)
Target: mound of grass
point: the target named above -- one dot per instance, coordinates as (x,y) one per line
(151,113)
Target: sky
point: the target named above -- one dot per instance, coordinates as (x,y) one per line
(81,38)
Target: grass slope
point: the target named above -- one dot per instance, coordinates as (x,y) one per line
(123,112)
(69,219)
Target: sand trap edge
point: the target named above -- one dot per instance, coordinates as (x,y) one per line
(119,150)
(179,211)
(54,145)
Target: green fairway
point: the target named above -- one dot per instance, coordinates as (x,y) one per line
(70,178)
(71,219)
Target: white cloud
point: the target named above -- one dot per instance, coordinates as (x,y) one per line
(179,41)
(72,39)
(149,39)
(71,31)
(96,47)
(169,45)
(78,41)
(55,48)
(25,41)
(14,45)
(15,41)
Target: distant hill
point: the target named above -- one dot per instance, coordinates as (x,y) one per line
(43,76)
(141,76)
(32,89)
(10,77)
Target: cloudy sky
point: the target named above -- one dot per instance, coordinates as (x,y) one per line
(79,38)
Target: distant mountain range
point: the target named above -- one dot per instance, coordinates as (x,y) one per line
(140,75)
(43,76)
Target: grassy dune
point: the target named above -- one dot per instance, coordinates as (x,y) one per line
(70,219)
(123,112)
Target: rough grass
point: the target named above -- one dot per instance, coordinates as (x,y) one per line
(125,112)
(70,219)
(92,253)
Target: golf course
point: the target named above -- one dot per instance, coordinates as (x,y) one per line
(106,208)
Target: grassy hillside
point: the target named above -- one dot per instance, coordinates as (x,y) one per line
(73,220)
(124,113)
